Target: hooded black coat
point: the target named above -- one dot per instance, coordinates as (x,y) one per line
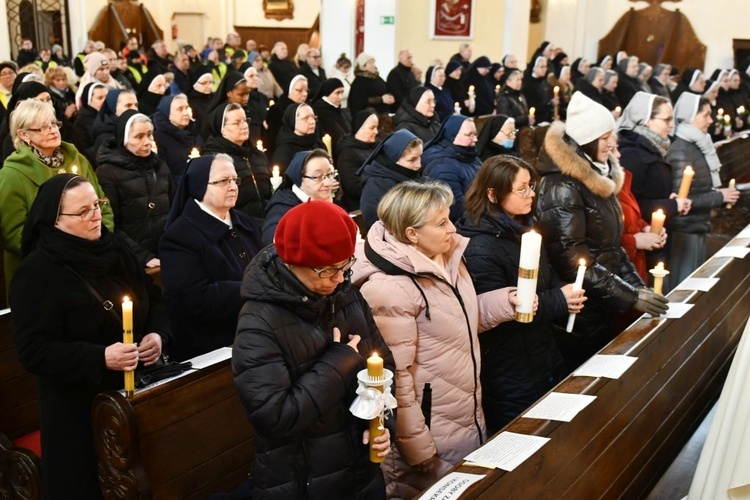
(422,126)
(520,361)
(140,191)
(538,95)
(332,121)
(288,143)
(296,385)
(579,216)
(284,70)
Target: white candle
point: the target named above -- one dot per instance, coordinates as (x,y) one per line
(659,273)
(556,90)
(259,145)
(577,285)
(731,186)
(327,142)
(275,178)
(720,113)
(528,271)
(456,109)
(657,221)
(532,111)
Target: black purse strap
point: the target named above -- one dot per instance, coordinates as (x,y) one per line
(105,303)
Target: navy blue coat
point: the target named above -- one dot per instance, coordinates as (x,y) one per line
(377,178)
(456,166)
(520,361)
(202,262)
(281,202)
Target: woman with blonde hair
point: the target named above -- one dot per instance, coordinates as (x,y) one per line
(415,280)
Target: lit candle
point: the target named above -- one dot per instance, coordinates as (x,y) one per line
(532,111)
(327,142)
(154,149)
(74,169)
(375,374)
(471,91)
(259,145)
(577,285)
(275,178)
(497,89)
(657,221)
(127,338)
(194,153)
(456,109)
(687,179)
(720,113)
(731,186)
(618,109)
(556,90)
(61,171)
(271,103)
(727,120)
(528,271)
(659,272)
(741,110)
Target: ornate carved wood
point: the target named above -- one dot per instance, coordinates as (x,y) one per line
(656,35)
(120,20)
(19,472)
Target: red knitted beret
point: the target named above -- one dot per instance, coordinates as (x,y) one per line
(315,234)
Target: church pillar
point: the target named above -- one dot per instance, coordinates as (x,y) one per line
(4,34)
(337,30)
(380,32)
(516,35)
(566,27)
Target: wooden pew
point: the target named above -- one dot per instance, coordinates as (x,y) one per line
(734,154)
(621,444)
(185,438)
(20,468)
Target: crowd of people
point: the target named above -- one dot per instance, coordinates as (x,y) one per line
(221,168)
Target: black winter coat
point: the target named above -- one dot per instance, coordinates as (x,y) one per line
(579,216)
(288,144)
(352,154)
(200,104)
(377,178)
(275,120)
(284,70)
(257,111)
(296,385)
(202,261)
(400,81)
(702,195)
(281,202)
(539,95)
(140,191)
(332,121)
(484,92)
(520,361)
(407,117)
(252,167)
(101,132)
(81,129)
(314,82)
(584,87)
(627,87)
(175,144)
(367,92)
(61,332)
(512,103)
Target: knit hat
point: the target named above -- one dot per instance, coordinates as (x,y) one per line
(363,58)
(94,61)
(587,120)
(316,233)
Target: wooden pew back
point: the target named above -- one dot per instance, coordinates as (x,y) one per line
(186,438)
(621,444)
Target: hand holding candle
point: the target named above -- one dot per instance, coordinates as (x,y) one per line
(528,271)
(375,372)
(578,285)
(657,221)
(127,338)
(456,109)
(259,146)
(327,142)
(687,179)
(731,186)
(275,178)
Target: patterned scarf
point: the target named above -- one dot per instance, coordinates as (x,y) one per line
(56,160)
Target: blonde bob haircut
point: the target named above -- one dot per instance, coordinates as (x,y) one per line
(412,204)
(28,114)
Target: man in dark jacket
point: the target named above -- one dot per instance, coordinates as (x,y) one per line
(316,75)
(281,67)
(401,80)
(27,54)
(302,336)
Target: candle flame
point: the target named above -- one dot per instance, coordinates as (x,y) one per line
(582,262)
(126,299)
(660,212)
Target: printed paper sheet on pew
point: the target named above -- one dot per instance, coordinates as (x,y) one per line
(605,365)
(451,486)
(677,310)
(560,406)
(734,251)
(700,284)
(745,233)
(506,451)
(211,358)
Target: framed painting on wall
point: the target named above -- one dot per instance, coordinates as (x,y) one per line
(278,9)
(451,19)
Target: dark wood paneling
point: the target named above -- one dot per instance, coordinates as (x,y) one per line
(269,36)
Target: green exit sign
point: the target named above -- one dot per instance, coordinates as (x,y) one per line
(387,19)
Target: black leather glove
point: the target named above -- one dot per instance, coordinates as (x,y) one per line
(650,302)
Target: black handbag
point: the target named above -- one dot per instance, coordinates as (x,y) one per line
(144,375)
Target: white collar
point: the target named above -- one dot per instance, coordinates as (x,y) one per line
(227,221)
(303,197)
(325,98)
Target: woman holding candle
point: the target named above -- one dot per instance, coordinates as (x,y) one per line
(176,134)
(257,106)
(538,92)
(511,102)
(138,185)
(520,361)
(230,134)
(310,176)
(484,91)
(206,247)
(693,147)
(353,150)
(303,334)
(417,114)
(332,119)
(414,278)
(39,155)
(299,133)
(580,217)
(628,83)
(65,336)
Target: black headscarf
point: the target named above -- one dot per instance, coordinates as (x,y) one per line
(490,130)
(28,90)
(86,94)
(229,82)
(415,94)
(215,120)
(328,87)
(198,72)
(290,116)
(192,187)
(360,118)
(121,126)
(44,211)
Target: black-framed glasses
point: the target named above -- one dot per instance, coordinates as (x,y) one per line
(526,192)
(330,176)
(88,214)
(225,182)
(56,124)
(330,272)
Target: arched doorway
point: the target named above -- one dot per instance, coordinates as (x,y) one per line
(45,22)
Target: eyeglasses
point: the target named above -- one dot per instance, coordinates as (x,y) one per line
(308,118)
(330,176)
(526,192)
(225,182)
(55,125)
(510,134)
(88,214)
(330,272)
(239,123)
(668,119)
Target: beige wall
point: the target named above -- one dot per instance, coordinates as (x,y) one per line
(412,32)
(250,13)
